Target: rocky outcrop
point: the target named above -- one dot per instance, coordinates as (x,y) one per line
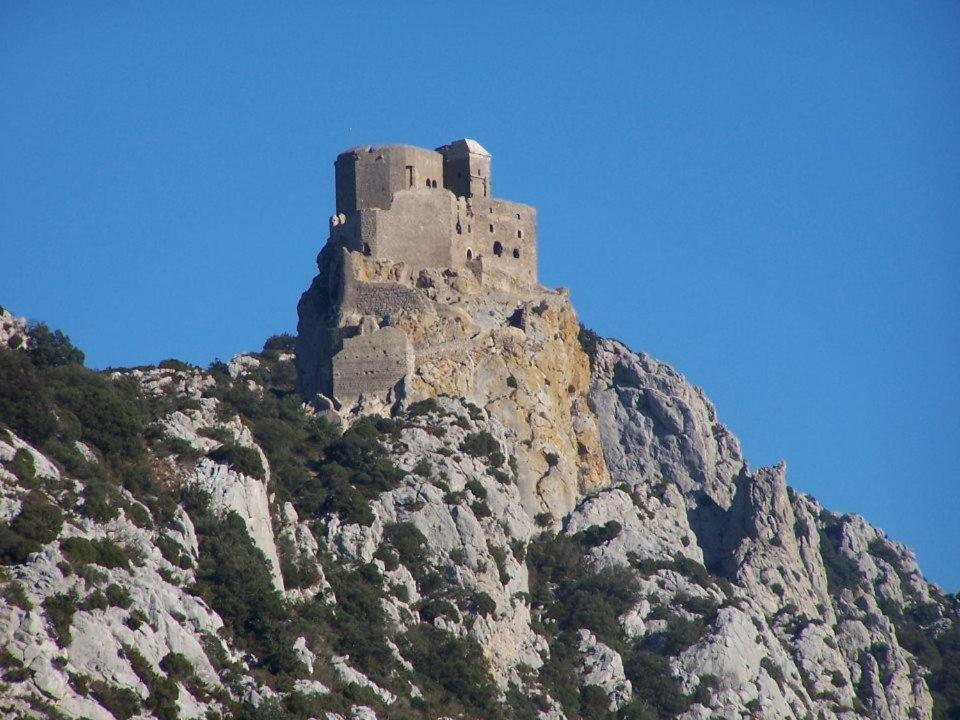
(575,536)
(509,348)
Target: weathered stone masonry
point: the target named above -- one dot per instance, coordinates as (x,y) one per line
(416,209)
(431,208)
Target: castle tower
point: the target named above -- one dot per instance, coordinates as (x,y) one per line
(466,169)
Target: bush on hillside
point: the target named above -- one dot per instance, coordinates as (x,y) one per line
(52,348)
(38,523)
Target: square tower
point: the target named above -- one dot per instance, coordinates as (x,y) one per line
(466,169)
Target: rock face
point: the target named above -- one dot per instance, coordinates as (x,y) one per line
(525,522)
(376,333)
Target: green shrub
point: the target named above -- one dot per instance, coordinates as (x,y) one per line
(773,670)
(172,552)
(596,535)
(163,691)
(284,342)
(60,609)
(483,604)
(543,519)
(139,515)
(842,572)
(477,488)
(38,523)
(483,444)
(26,401)
(455,669)
(243,459)
(123,703)
(681,633)
(233,577)
(358,623)
(433,608)
(22,466)
(410,544)
(653,683)
(423,407)
(105,553)
(181,447)
(594,601)
(481,509)
(118,596)
(177,666)
(14,594)
(499,556)
(589,341)
(52,349)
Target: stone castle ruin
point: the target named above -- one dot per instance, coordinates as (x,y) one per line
(402,212)
(431,208)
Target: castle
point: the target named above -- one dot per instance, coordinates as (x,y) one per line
(431,208)
(400,211)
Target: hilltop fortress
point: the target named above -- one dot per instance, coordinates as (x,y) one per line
(402,213)
(431,208)
(427,287)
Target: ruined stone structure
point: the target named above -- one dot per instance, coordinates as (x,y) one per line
(431,208)
(402,210)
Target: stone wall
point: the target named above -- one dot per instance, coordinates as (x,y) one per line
(418,229)
(431,209)
(502,233)
(371,363)
(368,177)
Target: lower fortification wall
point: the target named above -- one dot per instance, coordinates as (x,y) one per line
(371,364)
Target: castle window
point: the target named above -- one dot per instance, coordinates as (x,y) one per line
(459,228)
(519,233)
(434,183)
(469,254)
(518,216)
(428,182)
(516,253)
(366,249)
(491,227)
(409,175)
(497,248)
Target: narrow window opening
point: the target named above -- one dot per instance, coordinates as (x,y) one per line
(519,233)
(434,183)
(410,176)
(428,182)
(366,249)
(518,216)
(516,253)
(497,248)
(491,227)
(469,254)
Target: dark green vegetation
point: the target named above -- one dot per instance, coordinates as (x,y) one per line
(570,594)
(842,572)
(50,399)
(54,401)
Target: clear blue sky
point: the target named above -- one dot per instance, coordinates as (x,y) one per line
(765,196)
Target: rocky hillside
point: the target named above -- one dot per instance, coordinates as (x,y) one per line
(545,525)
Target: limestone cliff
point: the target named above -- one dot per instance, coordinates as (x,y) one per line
(522,521)
(513,349)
